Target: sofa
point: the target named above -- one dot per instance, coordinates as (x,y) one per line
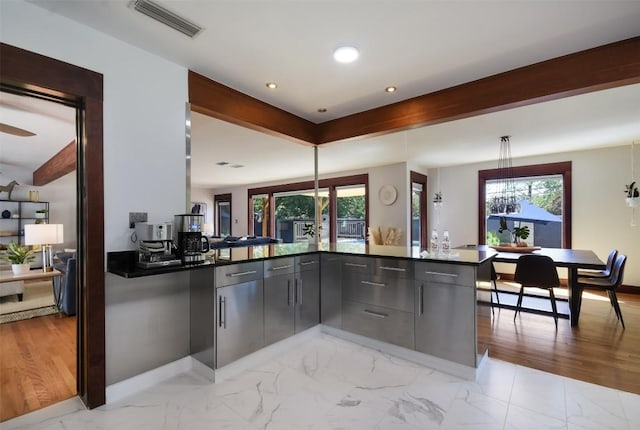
(232,241)
(65,286)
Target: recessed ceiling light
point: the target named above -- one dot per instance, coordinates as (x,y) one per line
(322,110)
(236,166)
(391,89)
(272,85)
(222,163)
(346,54)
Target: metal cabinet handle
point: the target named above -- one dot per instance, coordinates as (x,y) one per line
(222,312)
(279,267)
(355,265)
(289,292)
(395,269)
(306,263)
(299,283)
(375,314)
(453,275)
(250,272)
(375,284)
(421,299)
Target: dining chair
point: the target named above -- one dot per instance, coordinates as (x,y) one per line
(538,271)
(494,278)
(609,284)
(582,273)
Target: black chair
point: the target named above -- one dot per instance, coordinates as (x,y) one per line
(609,284)
(537,271)
(584,273)
(494,278)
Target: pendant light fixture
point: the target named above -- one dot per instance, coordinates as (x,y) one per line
(504,201)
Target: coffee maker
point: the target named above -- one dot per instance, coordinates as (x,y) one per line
(155,245)
(191,244)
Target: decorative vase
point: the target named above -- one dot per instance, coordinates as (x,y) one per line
(20,269)
(633,202)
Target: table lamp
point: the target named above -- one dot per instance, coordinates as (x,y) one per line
(45,235)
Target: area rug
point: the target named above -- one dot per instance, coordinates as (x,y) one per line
(37,300)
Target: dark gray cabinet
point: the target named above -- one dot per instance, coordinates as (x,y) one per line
(445,316)
(279,299)
(239,309)
(331,290)
(307,291)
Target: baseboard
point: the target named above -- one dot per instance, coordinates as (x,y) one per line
(119,390)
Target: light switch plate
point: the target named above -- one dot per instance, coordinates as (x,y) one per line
(135,217)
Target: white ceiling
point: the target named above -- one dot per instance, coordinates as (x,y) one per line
(419,46)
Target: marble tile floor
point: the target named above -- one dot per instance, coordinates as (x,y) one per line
(329,383)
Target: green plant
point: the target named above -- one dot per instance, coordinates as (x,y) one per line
(517,232)
(18,254)
(42,211)
(631,190)
(309,230)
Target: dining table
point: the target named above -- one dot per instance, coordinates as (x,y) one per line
(571,259)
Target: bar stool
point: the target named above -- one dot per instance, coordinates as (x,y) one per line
(584,273)
(538,271)
(609,284)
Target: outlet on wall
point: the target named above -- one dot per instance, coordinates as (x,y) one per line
(135,217)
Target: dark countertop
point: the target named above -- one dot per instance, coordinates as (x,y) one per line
(123,263)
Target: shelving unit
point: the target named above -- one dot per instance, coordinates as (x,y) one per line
(20,212)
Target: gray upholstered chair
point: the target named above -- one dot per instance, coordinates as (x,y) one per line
(538,271)
(609,284)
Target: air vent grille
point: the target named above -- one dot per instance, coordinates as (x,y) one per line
(159,13)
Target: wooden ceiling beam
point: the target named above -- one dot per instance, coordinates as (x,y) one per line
(57,166)
(595,69)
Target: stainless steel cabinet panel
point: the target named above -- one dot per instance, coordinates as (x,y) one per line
(278,307)
(279,266)
(377,322)
(307,292)
(393,268)
(445,273)
(358,264)
(238,273)
(391,292)
(445,321)
(331,290)
(240,322)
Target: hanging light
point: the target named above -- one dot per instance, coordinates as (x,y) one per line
(504,200)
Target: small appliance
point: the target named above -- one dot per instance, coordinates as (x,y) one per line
(191,244)
(155,245)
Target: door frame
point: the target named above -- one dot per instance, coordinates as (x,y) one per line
(30,72)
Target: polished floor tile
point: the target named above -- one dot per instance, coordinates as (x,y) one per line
(332,384)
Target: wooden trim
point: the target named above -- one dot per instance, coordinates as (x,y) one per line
(561,168)
(57,166)
(82,88)
(599,68)
(419,178)
(211,98)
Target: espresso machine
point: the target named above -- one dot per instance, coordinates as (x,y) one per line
(155,245)
(191,244)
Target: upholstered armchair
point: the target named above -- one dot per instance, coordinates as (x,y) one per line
(65,287)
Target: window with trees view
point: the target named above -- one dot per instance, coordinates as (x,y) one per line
(543,207)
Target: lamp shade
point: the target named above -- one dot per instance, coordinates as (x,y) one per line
(43,234)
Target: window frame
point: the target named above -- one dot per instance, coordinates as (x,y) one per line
(217,199)
(562,168)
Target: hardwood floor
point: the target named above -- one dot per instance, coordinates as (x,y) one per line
(37,363)
(598,350)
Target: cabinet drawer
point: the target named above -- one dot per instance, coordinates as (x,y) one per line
(377,322)
(353,264)
(307,262)
(279,266)
(394,268)
(238,273)
(379,291)
(446,273)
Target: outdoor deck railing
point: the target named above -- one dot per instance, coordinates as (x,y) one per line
(347,229)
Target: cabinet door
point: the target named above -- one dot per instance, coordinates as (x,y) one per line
(307,297)
(278,308)
(331,290)
(445,321)
(240,326)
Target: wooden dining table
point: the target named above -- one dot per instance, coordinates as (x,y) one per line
(572,259)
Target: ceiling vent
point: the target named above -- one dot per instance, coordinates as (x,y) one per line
(159,13)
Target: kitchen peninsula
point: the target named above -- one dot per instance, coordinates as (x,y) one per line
(391,298)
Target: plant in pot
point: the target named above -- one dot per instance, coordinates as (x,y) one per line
(309,230)
(19,256)
(633,195)
(41,213)
(520,234)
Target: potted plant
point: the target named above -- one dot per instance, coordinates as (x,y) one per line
(309,230)
(19,256)
(520,234)
(633,195)
(41,213)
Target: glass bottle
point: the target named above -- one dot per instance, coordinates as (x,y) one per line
(446,243)
(434,242)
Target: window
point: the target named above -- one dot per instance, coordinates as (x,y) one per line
(543,194)
(418,210)
(222,203)
(351,221)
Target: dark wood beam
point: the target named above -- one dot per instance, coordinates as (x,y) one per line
(219,101)
(600,68)
(57,166)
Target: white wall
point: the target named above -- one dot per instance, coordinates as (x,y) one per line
(144,160)
(600,219)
